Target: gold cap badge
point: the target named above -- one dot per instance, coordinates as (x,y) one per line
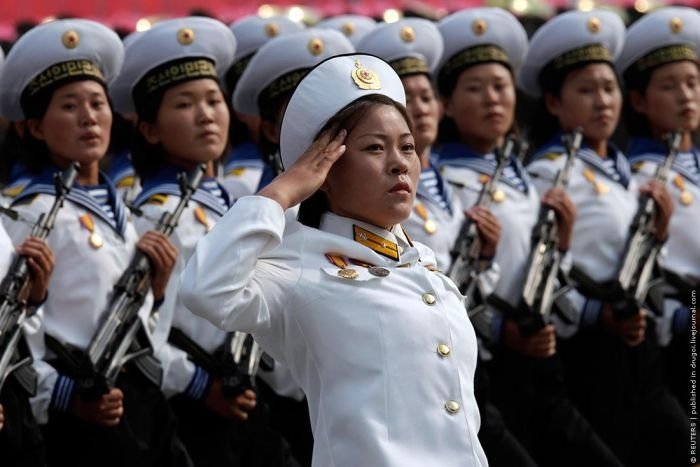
(408,34)
(271,29)
(70,39)
(594,25)
(316,46)
(676,25)
(185,36)
(348,28)
(479,26)
(365,78)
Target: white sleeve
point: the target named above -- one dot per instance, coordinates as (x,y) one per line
(46,374)
(236,279)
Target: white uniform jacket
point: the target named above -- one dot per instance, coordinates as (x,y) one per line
(84,276)
(606,200)
(434,225)
(243,170)
(683,244)
(386,360)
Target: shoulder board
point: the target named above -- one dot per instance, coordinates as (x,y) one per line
(26,201)
(13,191)
(552,156)
(237,172)
(126,182)
(637,166)
(158,199)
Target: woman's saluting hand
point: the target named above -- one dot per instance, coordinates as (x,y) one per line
(308,173)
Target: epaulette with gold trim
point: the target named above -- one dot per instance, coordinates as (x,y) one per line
(13,191)
(126,182)
(237,172)
(552,156)
(158,199)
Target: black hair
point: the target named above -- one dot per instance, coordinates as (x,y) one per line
(311,210)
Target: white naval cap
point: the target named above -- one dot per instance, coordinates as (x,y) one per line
(480,35)
(570,39)
(58,52)
(251,33)
(279,65)
(663,36)
(355,27)
(411,46)
(326,90)
(170,53)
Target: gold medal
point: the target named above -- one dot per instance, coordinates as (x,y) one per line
(348,274)
(95,240)
(498,196)
(601,188)
(429,225)
(201,217)
(686,198)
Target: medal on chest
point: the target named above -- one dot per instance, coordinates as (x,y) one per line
(685,197)
(201,216)
(600,187)
(94,240)
(429,225)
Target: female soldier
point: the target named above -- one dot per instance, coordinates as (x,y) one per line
(56,80)
(660,71)
(611,364)
(413,48)
(476,82)
(244,164)
(183,122)
(378,341)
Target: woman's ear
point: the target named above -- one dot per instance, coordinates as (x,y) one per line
(638,102)
(552,104)
(35,128)
(149,132)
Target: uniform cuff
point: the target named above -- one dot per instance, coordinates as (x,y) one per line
(199,385)
(158,303)
(591,313)
(62,393)
(681,321)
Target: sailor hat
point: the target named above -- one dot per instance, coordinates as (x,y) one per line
(251,33)
(172,52)
(570,39)
(279,65)
(355,27)
(411,46)
(53,54)
(326,90)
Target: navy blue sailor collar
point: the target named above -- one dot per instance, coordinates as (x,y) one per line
(164,182)
(43,183)
(653,150)
(461,155)
(588,155)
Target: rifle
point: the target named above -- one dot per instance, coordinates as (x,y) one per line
(538,295)
(14,290)
(634,277)
(467,247)
(121,338)
(242,357)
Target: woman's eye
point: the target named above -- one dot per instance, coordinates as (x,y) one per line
(408,147)
(182,105)
(375,147)
(68,106)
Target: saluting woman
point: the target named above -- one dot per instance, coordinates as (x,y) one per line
(56,79)
(377,338)
(612,363)
(183,123)
(659,66)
